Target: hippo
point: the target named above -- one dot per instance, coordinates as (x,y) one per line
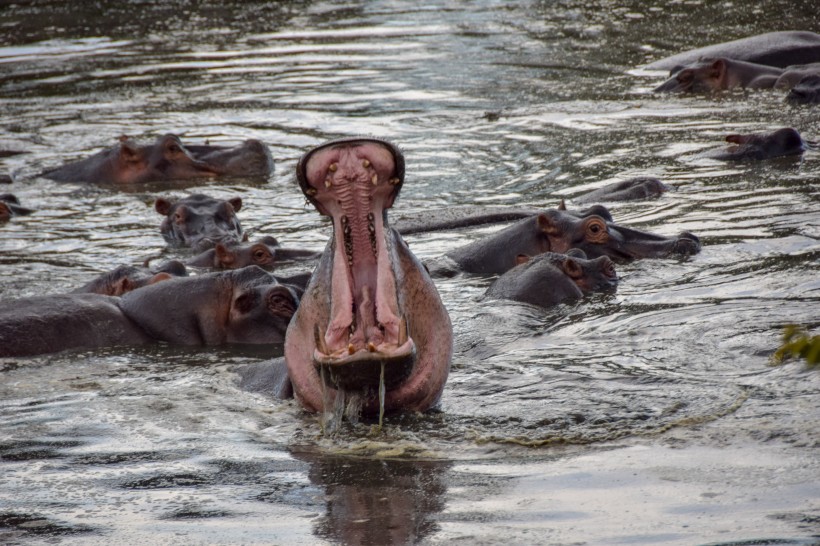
(758,146)
(10,206)
(266,253)
(199,221)
(559,230)
(632,189)
(707,75)
(780,49)
(166,159)
(126,278)
(252,158)
(549,279)
(371,324)
(807,91)
(6,178)
(49,324)
(246,306)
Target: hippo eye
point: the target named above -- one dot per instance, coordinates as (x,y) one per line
(174,149)
(596,230)
(259,255)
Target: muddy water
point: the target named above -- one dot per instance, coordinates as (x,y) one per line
(651,416)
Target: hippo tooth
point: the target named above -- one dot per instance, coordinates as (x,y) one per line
(332,168)
(371,347)
(394,181)
(365,163)
(350,349)
(375,179)
(402,331)
(311,191)
(328,183)
(320,340)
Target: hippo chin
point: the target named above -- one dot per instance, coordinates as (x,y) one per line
(371,314)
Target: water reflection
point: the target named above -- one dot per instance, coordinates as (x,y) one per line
(381,501)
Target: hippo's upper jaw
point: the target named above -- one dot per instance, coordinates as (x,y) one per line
(358,303)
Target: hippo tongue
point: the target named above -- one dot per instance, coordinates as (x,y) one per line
(354,182)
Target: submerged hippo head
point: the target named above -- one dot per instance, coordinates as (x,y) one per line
(243,306)
(251,158)
(594,232)
(807,91)
(129,163)
(370,315)
(199,221)
(699,77)
(126,278)
(10,206)
(758,146)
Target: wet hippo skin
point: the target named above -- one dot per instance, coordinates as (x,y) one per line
(50,324)
(550,278)
(558,230)
(807,91)
(126,278)
(199,221)
(265,253)
(707,75)
(633,189)
(369,302)
(165,159)
(759,146)
(242,306)
(779,49)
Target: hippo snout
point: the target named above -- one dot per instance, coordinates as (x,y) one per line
(687,244)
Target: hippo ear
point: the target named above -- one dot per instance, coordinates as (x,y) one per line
(163,206)
(236,203)
(522,259)
(546,225)
(128,151)
(224,256)
(562,205)
(122,286)
(159,277)
(718,69)
(281,302)
(573,268)
(269,240)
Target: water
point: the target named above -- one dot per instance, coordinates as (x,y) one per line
(651,416)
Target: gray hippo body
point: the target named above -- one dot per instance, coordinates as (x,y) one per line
(778,49)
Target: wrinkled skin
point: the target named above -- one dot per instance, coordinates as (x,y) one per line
(759,146)
(126,278)
(549,279)
(130,163)
(557,230)
(243,306)
(50,324)
(633,189)
(369,302)
(807,91)
(10,206)
(252,158)
(200,222)
(779,49)
(266,253)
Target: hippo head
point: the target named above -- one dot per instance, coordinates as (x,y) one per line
(702,76)
(251,158)
(370,316)
(782,142)
(169,159)
(199,221)
(594,232)
(595,275)
(806,91)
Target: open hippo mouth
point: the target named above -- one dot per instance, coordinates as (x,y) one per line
(366,339)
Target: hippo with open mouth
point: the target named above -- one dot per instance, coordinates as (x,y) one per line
(370,323)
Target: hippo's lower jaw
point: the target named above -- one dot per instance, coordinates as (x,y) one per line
(365,370)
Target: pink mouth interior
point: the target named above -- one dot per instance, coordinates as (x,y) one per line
(353,183)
